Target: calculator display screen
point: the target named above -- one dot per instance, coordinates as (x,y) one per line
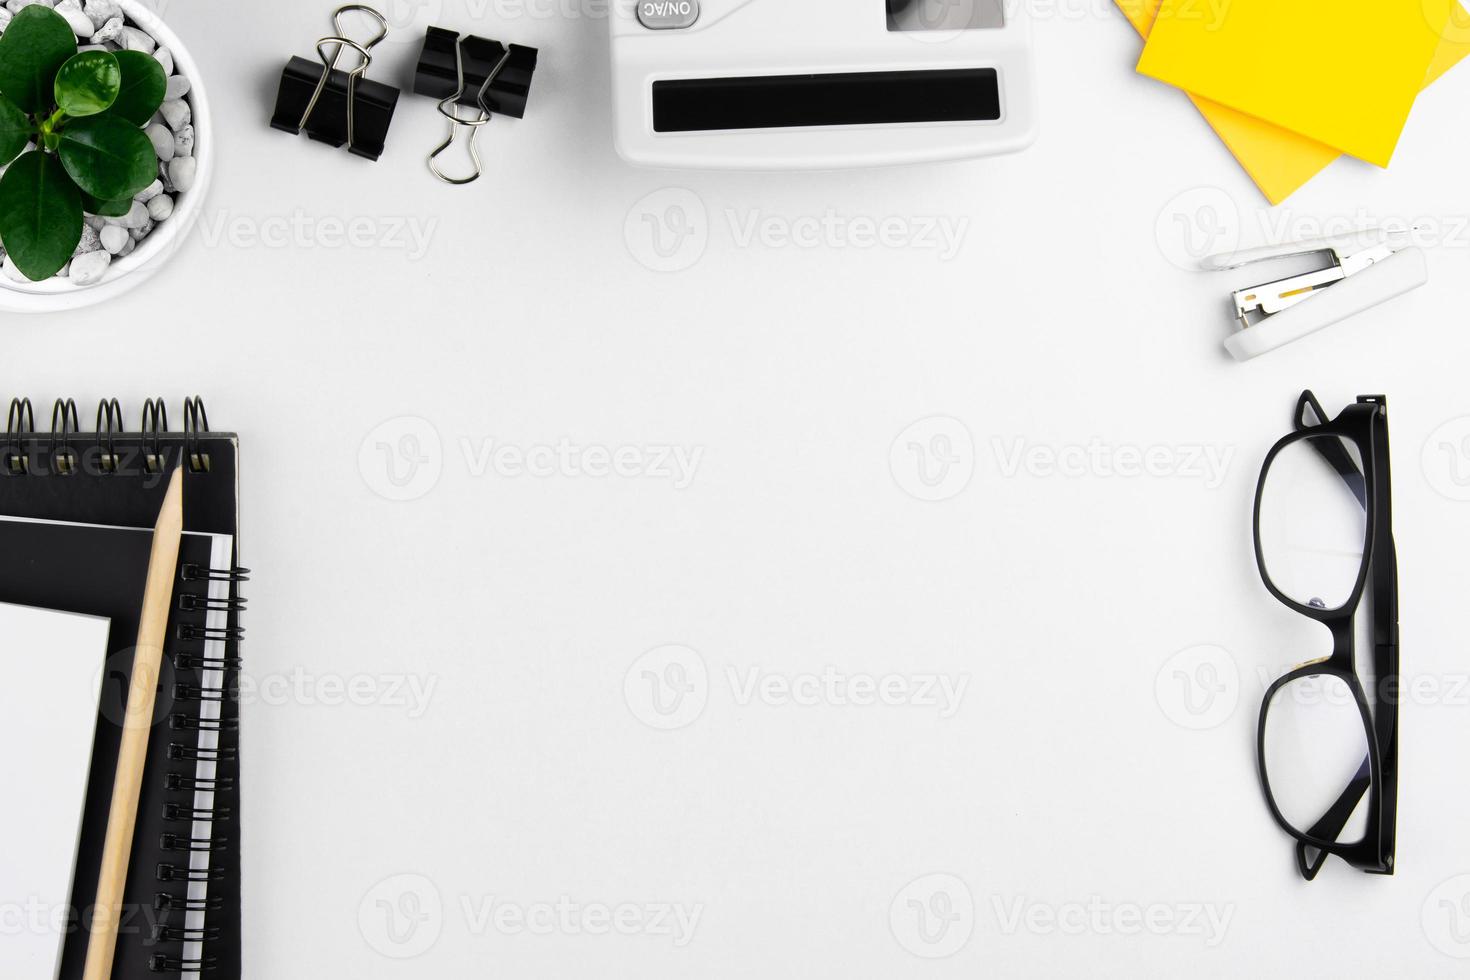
(687,105)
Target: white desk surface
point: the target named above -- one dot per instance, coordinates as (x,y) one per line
(526,821)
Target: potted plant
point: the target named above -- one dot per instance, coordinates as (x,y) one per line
(103,141)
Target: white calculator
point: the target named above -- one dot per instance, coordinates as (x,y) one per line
(819,84)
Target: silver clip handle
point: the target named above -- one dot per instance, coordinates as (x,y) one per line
(361,9)
(449,107)
(329,64)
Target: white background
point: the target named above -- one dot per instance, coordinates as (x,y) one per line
(1086,763)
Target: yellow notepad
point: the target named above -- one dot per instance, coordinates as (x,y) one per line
(1340,72)
(1278,160)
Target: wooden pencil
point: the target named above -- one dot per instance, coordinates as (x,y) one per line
(137,724)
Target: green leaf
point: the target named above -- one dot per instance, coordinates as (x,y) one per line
(40,215)
(108,157)
(88,83)
(15,130)
(32,50)
(106,209)
(143,86)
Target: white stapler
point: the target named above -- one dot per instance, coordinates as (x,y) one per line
(1365,269)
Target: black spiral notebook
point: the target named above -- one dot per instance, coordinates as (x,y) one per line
(76,517)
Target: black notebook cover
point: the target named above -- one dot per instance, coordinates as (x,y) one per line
(182,899)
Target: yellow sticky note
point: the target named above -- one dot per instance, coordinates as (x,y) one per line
(1341,72)
(1278,160)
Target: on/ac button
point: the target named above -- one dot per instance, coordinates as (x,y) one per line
(668,15)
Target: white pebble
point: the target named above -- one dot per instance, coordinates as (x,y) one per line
(166,59)
(110,31)
(88,268)
(101,11)
(181,172)
(176,113)
(16,6)
(11,271)
(162,139)
(161,208)
(178,86)
(136,217)
(184,142)
(128,248)
(114,237)
(81,25)
(5,17)
(149,193)
(95,221)
(136,40)
(138,234)
(90,242)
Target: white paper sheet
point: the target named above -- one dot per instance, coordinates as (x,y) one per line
(50,686)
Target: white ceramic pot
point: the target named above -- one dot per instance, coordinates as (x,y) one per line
(153,252)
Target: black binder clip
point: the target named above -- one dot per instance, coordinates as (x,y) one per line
(336,106)
(481,74)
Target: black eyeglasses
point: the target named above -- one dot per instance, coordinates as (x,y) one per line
(1328,756)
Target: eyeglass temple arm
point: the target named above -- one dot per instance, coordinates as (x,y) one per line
(1385,561)
(1309,415)
(1332,823)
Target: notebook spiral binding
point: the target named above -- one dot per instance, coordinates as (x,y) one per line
(116,447)
(206,683)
